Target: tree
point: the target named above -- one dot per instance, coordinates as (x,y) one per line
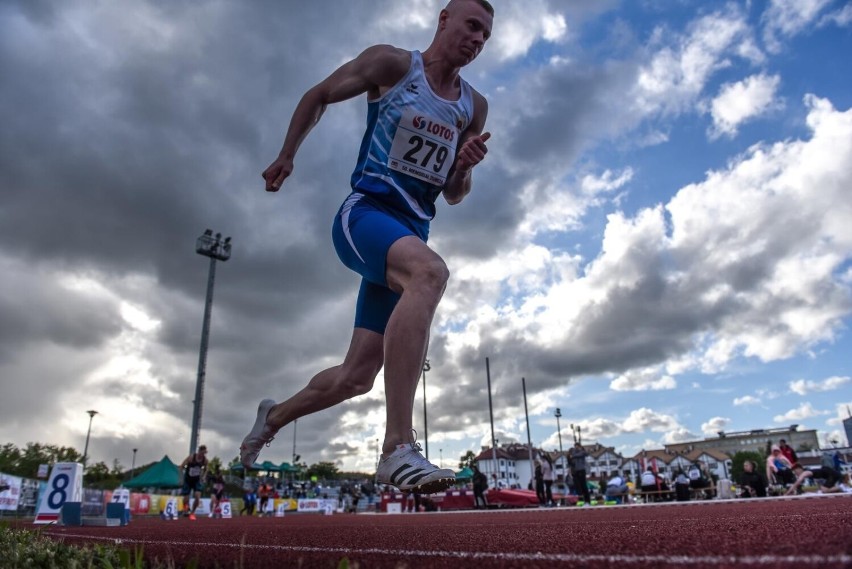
(323,470)
(467,460)
(96,472)
(25,462)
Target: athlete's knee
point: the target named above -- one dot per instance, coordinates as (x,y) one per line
(433,274)
(358,378)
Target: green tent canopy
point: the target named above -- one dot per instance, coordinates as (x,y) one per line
(164,474)
(464,474)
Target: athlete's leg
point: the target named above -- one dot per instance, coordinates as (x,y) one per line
(420,276)
(355,376)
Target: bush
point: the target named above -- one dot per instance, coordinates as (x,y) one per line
(22,549)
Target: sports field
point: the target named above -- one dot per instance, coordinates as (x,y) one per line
(806,531)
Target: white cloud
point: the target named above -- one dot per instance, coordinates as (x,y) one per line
(787,18)
(644,419)
(738,102)
(746,400)
(520,25)
(675,76)
(803,387)
(714,425)
(842,17)
(643,380)
(803,411)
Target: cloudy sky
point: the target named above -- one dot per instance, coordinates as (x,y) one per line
(659,241)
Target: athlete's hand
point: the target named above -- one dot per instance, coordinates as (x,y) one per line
(277,172)
(472,152)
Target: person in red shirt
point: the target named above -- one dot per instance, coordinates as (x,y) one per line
(788,451)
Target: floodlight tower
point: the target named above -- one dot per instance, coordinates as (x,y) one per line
(92,414)
(217,250)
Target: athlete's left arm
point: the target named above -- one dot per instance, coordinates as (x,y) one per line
(471,152)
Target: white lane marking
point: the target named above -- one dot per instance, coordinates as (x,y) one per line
(676,560)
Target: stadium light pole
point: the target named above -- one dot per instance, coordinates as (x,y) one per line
(217,249)
(133,464)
(491,416)
(426,367)
(295,427)
(92,414)
(558,414)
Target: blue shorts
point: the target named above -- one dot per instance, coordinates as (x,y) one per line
(191,484)
(363,233)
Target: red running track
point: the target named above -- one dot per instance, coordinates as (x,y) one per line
(801,532)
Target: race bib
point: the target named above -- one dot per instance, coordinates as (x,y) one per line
(194,471)
(423,148)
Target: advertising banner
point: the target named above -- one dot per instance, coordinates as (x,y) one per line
(10,492)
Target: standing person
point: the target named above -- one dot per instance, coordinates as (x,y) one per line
(194,470)
(217,492)
(578,471)
(480,485)
(547,478)
(539,483)
(424,137)
(249,499)
(788,451)
(264,491)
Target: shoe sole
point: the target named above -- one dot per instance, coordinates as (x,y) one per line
(259,423)
(433,486)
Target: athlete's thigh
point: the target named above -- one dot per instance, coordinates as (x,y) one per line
(408,257)
(363,235)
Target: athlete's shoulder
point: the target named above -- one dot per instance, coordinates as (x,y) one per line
(384,64)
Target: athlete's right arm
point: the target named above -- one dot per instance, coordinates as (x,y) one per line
(376,67)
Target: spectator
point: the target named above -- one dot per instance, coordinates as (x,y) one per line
(616,487)
(681,484)
(779,470)
(788,451)
(828,478)
(578,456)
(698,480)
(249,500)
(547,477)
(539,483)
(263,493)
(217,491)
(655,485)
(480,485)
(751,481)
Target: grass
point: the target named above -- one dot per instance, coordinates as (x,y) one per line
(27,549)
(23,549)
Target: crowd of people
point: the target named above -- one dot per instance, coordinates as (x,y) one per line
(782,474)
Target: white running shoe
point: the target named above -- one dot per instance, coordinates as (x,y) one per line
(260,435)
(406,469)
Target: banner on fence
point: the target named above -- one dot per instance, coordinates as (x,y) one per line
(10,492)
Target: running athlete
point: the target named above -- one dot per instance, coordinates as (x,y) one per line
(424,136)
(194,468)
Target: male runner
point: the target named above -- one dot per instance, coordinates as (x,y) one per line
(424,136)
(194,468)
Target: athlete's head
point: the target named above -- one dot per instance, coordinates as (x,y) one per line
(463,28)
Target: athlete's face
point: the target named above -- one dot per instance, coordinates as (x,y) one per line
(467,26)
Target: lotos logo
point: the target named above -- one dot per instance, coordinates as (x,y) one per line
(434,128)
